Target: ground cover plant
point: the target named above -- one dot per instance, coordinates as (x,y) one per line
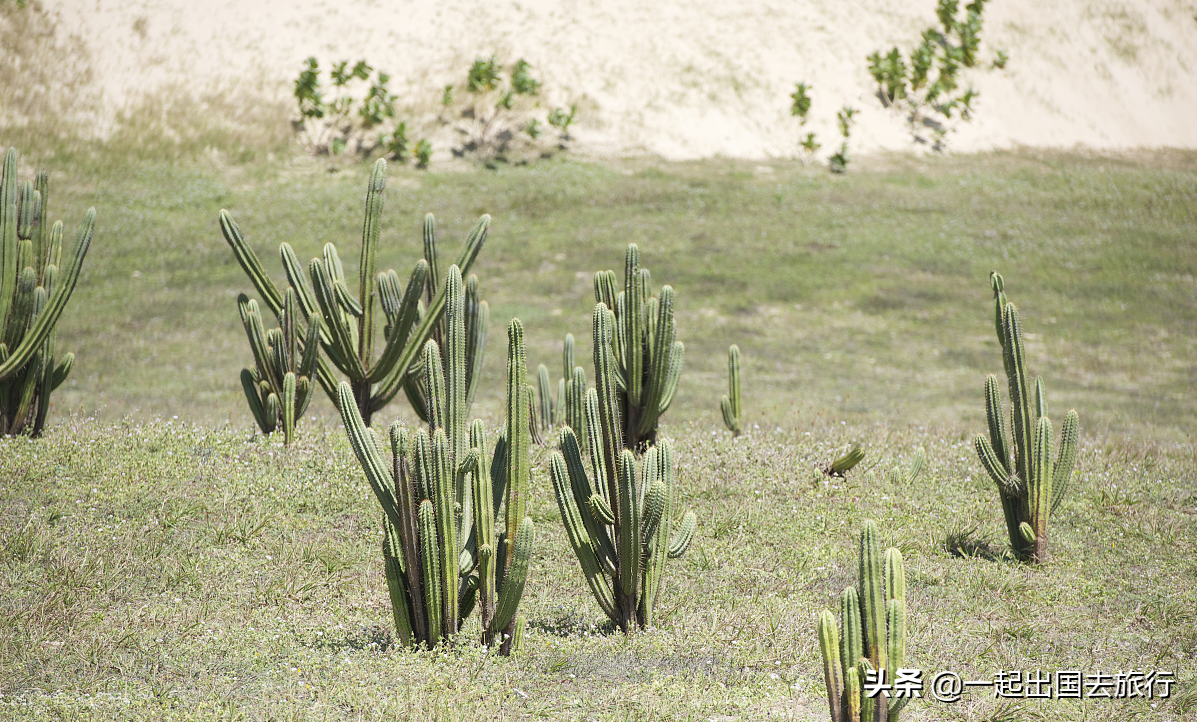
(856,300)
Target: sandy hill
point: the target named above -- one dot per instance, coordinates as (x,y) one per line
(680,79)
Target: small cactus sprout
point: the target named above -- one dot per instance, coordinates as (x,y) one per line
(730,403)
(441,496)
(621,519)
(845,461)
(34,290)
(1030,484)
(906,478)
(869,639)
(348,320)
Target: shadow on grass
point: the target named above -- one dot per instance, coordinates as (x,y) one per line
(967,543)
(572,625)
(365,638)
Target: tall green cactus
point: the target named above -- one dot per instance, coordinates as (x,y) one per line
(33,295)
(647,357)
(730,403)
(1030,485)
(441,498)
(347,322)
(869,639)
(279,386)
(622,520)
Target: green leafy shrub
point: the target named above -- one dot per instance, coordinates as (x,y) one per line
(347,321)
(441,497)
(838,162)
(352,119)
(1030,485)
(869,638)
(926,85)
(33,295)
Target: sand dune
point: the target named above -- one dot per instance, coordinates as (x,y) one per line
(683,79)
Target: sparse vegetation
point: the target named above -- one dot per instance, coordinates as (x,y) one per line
(927,85)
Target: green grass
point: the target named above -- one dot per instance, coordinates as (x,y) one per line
(154,567)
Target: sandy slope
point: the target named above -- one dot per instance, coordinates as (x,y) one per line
(687,79)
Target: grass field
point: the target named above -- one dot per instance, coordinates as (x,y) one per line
(158,560)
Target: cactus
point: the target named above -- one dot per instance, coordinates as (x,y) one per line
(870,637)
(845,462)
(1030,485)
(730,403)
(441,497)
(347,322)
(279,386)
(906,478)
(647,360)
(33,295)
(621,520)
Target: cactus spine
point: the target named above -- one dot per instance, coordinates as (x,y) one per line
(622,520)
(871,636)
(730,403)
(441,496)
(33,294)
(646,357)
(411,315)
(1030,485)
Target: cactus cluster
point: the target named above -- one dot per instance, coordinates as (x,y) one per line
(279,386)
(647,358)
(33,294)
(1030,485)
(441,497)
(870,637)
(730,403)
(622,521)
(566,408)
(411,315)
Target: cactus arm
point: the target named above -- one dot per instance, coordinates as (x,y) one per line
(407,505)
(895,576)
(833,673)
(484,527)
(366,450)
(9,221)
(446,528)
(628,537)
(582,492)
(657,550)
(350,305)
(477,325)
(430,555)
(41,328)
(633,328)
(575,531)
(298,281)
(430,255)
(1023,427)
(895,646)
(288,410)
(872,592)
(852,693)
(654,509)
(1062,471)
(567,357)
(675,373)
(341,350)
(516,577)
(367,268)
(662,350)
(398,340)
(473,244)
(575,407)
(250,386)
(518,434)
(1040,486)
(683,534)
(916,465)
(991,463)
(609,438)
(851,639)
(399,600)
(544,397)
(249,263)
(868,705)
